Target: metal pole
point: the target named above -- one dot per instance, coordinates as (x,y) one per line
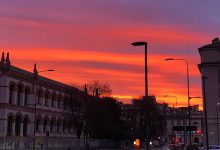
(187,69)
(146,91)
(146,72)
(35,109)
(205,111)
(217,122)
(176,111)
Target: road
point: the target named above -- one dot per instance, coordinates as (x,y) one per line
(152,148)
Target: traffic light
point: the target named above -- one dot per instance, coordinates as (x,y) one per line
(198,132)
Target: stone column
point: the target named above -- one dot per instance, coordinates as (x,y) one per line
(41,129)
(55,103)
(22,99)
(13,128)
(4,128)
(21,128)
(55,128)
(14,97)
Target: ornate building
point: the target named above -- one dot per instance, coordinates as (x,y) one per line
(25,96)
(210,68)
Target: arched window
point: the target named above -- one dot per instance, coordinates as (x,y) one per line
(9,126)
(46,99)
(26,96)
(51,126)
(37,125)
(17,125)
(19,94)
(45,126)
(65,103)
(25,126)
(11,93)
(69,127)
(58,126)
(68,104)
(64,126)
(52,100)
(59,101)
(39,94)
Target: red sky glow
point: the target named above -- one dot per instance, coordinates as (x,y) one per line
(85,41)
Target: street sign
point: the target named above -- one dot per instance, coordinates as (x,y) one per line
(184,128)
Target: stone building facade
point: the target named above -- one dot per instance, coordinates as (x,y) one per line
(179,117)
(210,68)
(20,90)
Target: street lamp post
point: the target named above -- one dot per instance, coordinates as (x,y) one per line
(146,82)
(35,100)
(187,78)
(146,67)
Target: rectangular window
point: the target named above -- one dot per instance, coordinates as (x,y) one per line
(218,76)
(219,92)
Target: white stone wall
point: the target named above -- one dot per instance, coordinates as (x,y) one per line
(209,68)
(22,110)
(196,117)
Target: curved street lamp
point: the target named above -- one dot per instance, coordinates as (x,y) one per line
(146,68)
(187,78)
(35,101)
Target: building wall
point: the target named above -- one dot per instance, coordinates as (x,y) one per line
(210,67)
(17,113)
(44,112)
(181,119)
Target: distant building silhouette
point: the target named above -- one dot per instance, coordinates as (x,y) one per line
(173,118)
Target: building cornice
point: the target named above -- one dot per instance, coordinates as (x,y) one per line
(29,109)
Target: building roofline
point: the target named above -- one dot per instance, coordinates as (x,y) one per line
(41,79)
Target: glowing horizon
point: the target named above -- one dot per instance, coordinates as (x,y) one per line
(85,41)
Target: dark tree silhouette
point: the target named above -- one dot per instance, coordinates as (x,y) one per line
(79,104)
(105,120)
(151,119)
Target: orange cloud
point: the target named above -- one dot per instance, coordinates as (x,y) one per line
(164,77)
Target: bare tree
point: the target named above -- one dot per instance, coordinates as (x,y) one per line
(79,106)
(95,88)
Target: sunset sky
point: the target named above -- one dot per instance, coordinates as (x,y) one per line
(90,40)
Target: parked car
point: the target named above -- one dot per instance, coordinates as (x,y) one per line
(211,147)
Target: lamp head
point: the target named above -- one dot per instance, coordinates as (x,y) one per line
(195,97)
(139,43)
(167,59)
(50,70)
